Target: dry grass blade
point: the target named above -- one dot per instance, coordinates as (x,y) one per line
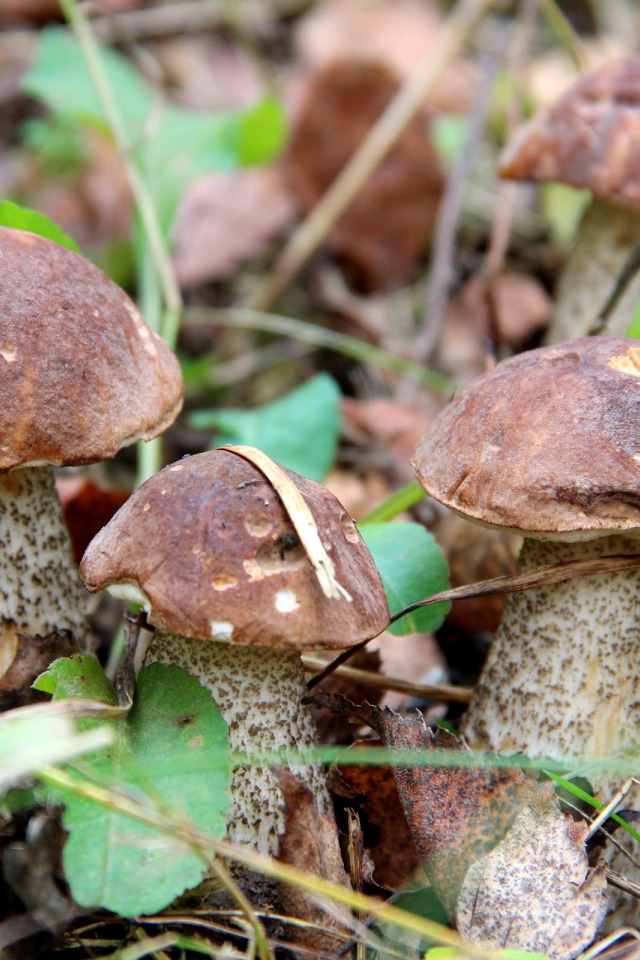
(301,517)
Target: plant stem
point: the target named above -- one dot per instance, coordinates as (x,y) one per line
(398,502)
(311,333)
(141,193)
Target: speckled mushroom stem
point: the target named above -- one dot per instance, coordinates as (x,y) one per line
(605,237)
(561,679)
(40,590)
(259,693)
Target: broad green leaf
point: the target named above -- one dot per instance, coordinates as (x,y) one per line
(171,752)
(79,677)
(171,143)
(22,218)
(412,568)
(300,430)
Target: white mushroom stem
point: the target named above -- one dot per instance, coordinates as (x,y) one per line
(258,691)
(603,243)
(40,590)
(561,679)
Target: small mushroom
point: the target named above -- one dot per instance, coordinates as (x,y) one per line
(81,376)
(590,138)
(548,444)
(209,550)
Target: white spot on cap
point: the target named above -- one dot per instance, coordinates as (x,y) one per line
(221,630)
(142,329)
(176,468)
(9,351)
(146,507)
(286,601)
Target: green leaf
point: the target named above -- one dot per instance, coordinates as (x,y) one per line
(171,752)
(79,677)
(412,568)
(634,326)
(300,430)
(23,218)
(171,143)
(263,132)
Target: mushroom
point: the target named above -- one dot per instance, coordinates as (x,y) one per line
(81,375)
(548,445)
(209,550)
(590,138)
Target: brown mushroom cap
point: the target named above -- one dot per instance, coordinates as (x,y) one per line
(81,374)
(547,443)
(589,138)
(208,542)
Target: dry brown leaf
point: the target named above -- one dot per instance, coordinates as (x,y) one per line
(392,426)
(535,891)
(310,843)
(88,507)
(374,793)
(398,34)
(33,656)
(226,219)
(456,814)
(385,229)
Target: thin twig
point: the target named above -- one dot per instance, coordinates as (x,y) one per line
(542,576)
(377,681)
(450,209)
(382,136)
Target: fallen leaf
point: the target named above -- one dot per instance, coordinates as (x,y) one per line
(397,34)
(385,228)
(33,656)
(535,891)
(456,813)
(88,507)
(310,843)
(226,219)
(395,428)
(372,791)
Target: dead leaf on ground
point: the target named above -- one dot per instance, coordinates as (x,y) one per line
(310,843)
(226,219)
(373,792)
(385,229)
(33,657)
(397,34)
(535,891)
(456,814)
(396,428)
(331,726)
(88,507)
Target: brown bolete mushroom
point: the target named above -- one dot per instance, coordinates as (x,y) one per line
(210,551)
(548,444)
(590,138)
(81,376)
